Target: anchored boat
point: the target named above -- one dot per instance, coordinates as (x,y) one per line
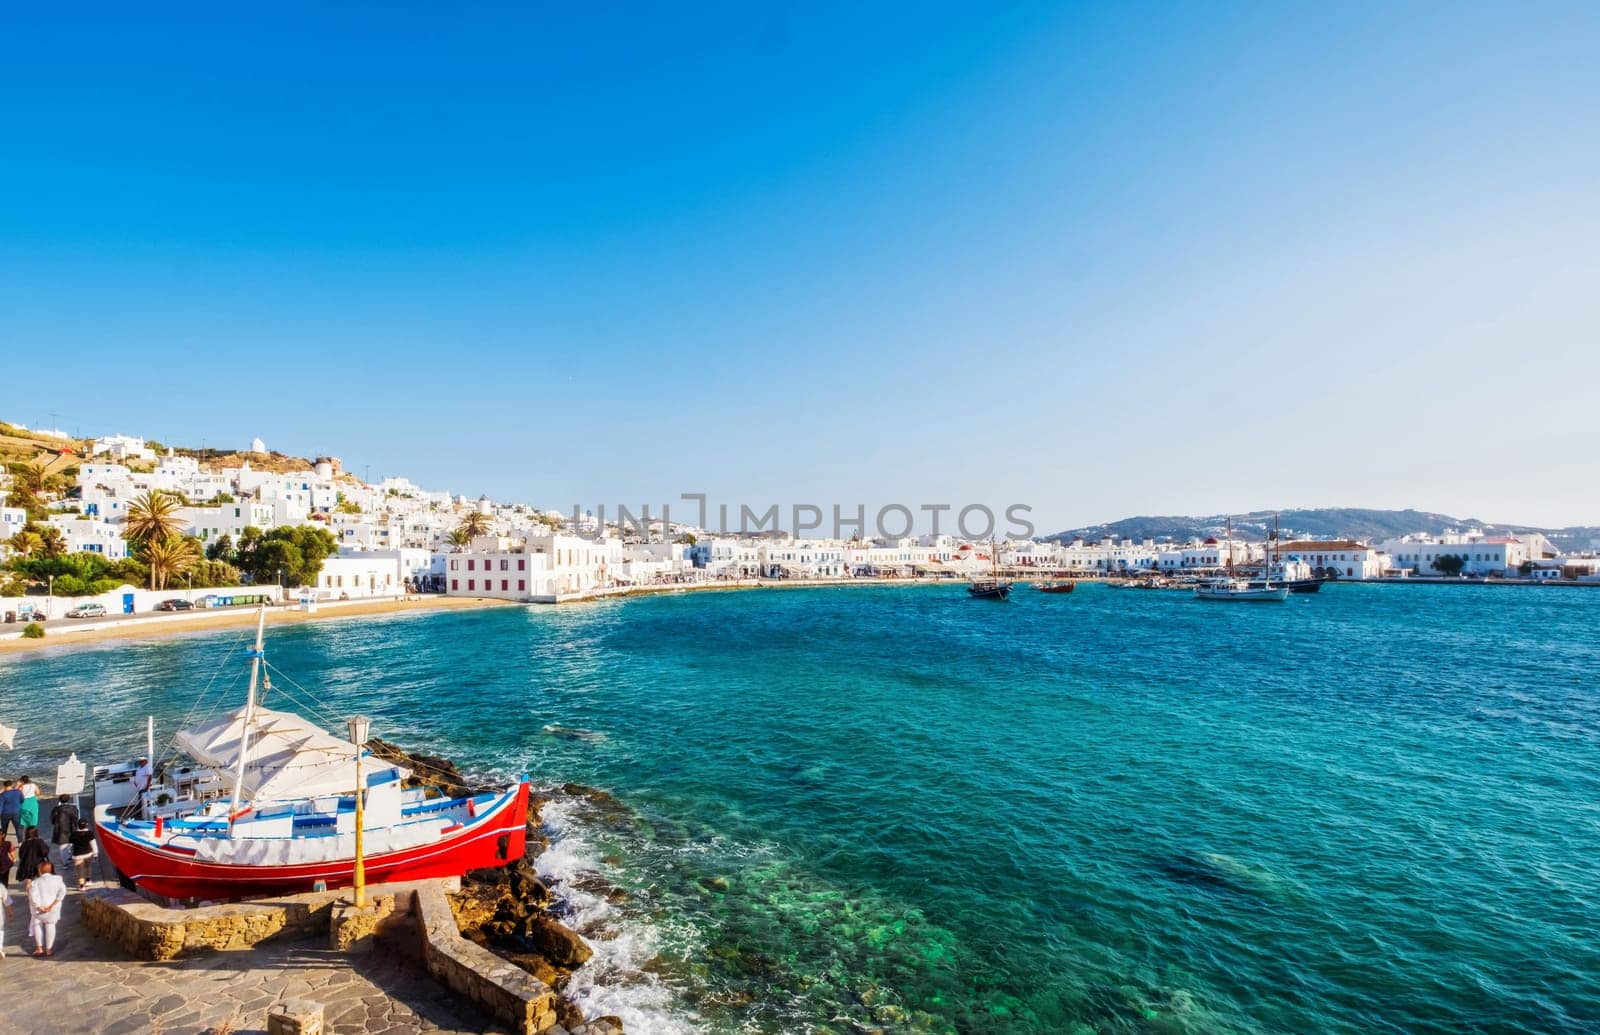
(269,808)
(993,587)
(1241,590)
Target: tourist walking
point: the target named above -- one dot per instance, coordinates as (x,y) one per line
(84,852)
(5,901)
(8,859)
(11,808)
(34,851)
(63,821)
(29,811)
(46,892)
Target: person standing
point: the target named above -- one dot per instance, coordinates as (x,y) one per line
(63,821)
(5,901)
(84,852)
(28,814)
(46,892)
(8,859)
(33,852)
(11,809)
(143,777)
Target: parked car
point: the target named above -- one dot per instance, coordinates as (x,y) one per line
(88,611)
(175,604)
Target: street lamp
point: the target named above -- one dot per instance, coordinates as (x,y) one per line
(49,597)
(359,726)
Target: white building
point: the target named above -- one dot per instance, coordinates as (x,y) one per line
(12,521)
(87,535)
(1336,558)
(122,449)
(1480,554)
(230,519)
(353,576)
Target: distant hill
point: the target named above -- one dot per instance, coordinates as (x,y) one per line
(21,446)
(1321,523)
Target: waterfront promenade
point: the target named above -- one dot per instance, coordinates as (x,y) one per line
(91,987)
(67,632)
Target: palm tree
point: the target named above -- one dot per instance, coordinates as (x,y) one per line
(476,523)
(51,542)
(25,542)
(170,556)
(152,518)
(457,537)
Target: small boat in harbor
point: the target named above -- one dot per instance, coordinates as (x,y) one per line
(993,587)
(1056,586)
(269,808)
(1312,585)
(1240,590)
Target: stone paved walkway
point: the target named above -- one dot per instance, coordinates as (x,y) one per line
(90,987)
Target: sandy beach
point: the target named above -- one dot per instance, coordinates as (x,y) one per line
(155,627)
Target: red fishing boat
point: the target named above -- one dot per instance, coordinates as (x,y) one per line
(269,808)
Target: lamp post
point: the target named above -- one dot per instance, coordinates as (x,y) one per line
(359,726)
(50,597)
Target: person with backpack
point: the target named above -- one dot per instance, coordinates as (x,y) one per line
(63,821)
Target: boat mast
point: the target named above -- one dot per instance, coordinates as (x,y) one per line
(249,713)
(1277,537)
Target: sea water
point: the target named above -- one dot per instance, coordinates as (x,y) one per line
(1374,809)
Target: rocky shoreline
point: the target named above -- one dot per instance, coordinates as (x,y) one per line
(510,910)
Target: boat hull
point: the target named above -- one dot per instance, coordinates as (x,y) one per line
(1296,585)
(1243,596)
(1066,587)
(999,592)
(496,837)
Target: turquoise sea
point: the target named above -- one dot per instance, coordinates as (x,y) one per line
(1376,809)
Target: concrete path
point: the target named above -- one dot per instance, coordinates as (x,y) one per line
(90,987)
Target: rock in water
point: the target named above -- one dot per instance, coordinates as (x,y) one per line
(426,770)
(557,943)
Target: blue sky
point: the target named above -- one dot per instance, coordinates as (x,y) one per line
(1098,259)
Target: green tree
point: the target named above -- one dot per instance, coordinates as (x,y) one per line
(153,517)
(211,572)
(458,538)
(27,487)
(1449,564)
(476,523)
(51,542)
(295,550)
(170,557)
(26,542)
(221,549)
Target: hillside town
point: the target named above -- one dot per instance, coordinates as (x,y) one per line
(338,537)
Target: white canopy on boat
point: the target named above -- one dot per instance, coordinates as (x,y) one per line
(289,757)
